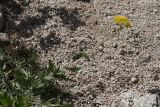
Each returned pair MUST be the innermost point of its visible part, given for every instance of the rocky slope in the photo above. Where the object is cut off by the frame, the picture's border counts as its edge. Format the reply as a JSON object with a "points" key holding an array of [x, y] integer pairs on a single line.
{"points": [[58, 29]]}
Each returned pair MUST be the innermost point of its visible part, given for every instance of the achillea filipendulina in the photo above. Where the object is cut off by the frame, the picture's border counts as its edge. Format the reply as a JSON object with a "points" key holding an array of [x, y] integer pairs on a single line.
{"points": [[122, 21]]}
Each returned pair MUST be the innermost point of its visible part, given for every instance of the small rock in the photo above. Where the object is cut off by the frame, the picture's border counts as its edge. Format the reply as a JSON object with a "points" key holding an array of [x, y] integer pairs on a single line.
{"points": [[147, 58], [28, 31], [115, 45], [134, 80], [137, 52], [132, 99], [124, 46], [82, 45], [156, 77], [30, 46], [123, 52], [80, 94], [100, 48], [113, 29], [131, 40], [109, 57], [158, 36], [155, 10], [108, 14], [4, 37], [135, 33], [17, 23], [131, 52]]}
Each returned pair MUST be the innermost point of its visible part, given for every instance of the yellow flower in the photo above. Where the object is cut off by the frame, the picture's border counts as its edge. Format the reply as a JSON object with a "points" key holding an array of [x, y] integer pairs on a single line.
{"points": [[122, 21]]}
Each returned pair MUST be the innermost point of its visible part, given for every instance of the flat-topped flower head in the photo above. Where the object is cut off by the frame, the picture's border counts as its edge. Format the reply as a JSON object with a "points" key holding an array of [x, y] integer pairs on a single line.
{"points": [[122, 21]]}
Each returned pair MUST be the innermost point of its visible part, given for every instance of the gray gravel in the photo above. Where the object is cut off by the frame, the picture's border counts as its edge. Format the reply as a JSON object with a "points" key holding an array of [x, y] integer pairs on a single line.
{"points": [[58, 29]]}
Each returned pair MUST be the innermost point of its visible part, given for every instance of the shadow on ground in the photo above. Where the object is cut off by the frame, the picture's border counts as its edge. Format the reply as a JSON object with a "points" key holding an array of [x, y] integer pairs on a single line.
{"points": [[87, 1], [51, 92], [26, 27], [49, 41], [69, 18], [12, 6]]}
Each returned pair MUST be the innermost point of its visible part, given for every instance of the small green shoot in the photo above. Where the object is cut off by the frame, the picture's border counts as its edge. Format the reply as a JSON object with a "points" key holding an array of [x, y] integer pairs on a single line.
{"points": [[80, 55]]}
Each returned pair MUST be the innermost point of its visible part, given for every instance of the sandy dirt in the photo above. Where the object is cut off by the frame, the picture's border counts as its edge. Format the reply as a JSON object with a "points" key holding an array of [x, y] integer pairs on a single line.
{"points": [[58, 29]]}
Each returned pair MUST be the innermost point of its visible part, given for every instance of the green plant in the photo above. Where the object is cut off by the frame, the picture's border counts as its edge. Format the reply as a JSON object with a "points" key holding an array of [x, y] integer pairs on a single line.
{"points": [[7, 100], [21, 78]]}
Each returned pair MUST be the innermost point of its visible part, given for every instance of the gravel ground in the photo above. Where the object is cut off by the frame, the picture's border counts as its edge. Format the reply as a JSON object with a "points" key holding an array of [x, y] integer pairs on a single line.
{"points": [[58, 29]]}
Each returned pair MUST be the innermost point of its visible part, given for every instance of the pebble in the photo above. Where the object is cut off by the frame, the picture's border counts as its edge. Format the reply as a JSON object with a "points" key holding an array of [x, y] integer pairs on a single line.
{"points": [[100, 48], [4, 37], [147, 58], [134, 80], [80, 94], [123, 52], [131, 40], [115, 45], [17, 23], [158, 36], [29, 46], [124, 45], [156, 77], [134, 99], [155, 10], [82, 45], [132, 51]]}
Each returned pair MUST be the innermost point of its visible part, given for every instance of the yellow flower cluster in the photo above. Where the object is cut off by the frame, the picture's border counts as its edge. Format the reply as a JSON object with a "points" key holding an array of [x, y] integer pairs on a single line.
{"points": [[122, 21]]}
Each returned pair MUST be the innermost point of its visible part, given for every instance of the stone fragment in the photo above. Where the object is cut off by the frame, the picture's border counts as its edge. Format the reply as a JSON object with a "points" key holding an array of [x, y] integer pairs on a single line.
{"points": [[4, 37], [133, 99]]}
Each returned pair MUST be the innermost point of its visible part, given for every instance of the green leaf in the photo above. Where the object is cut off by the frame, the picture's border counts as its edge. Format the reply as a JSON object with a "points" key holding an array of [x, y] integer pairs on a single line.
{"points": [[55, 71], [22, 101], [51, 66], [65, 104], [5, 100]]}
